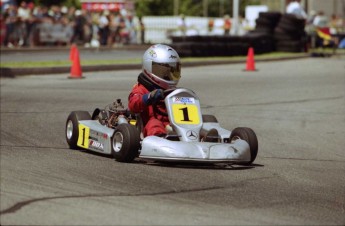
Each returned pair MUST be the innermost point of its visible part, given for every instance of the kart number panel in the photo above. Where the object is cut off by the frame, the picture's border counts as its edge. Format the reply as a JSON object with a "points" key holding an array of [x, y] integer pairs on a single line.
{"points": [[186, 114], [83, 138]]}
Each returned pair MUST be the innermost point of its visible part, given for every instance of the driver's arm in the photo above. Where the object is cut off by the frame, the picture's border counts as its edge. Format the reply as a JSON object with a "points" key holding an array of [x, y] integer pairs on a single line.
{"points": [[135, 99]]}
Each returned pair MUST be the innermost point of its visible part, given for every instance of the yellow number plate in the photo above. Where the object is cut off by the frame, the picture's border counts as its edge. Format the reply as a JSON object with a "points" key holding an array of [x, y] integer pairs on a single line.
{"points": [[185, 114], [83, 138]]}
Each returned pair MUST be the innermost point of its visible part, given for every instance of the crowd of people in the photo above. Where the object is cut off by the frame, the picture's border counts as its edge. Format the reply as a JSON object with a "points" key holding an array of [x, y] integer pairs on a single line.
{"points": [[35, 25], [30, 25], [317, 20]]}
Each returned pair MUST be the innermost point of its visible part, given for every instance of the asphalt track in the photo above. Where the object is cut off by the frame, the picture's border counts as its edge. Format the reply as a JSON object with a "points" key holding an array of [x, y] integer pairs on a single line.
{"points": [[296, 107]]}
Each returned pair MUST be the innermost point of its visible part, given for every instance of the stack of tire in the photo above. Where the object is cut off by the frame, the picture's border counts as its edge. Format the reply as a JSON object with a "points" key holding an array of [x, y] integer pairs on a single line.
{"points": [[215, 45], [202, 46], [183, 45], [261, 38], [289, 35], [273, 32], [267, 22]]}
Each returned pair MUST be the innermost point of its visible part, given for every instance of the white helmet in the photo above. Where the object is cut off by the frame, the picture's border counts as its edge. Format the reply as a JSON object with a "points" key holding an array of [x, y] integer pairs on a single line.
{"points": [[161, 65]]}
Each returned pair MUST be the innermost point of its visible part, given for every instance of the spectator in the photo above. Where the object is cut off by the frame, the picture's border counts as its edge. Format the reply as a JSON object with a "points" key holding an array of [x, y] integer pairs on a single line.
{"points": [[10, 17], [19, 32], [130, 27], [95, 30], [336, 24], [182, 25], [88, 31], [142, 30], [294, 7], [310, 29], [71, 13], [55, 13], [78, 30], [321, 21], [23, 27], [103, 26], [113, 29], [2, 29], [210, 25], [227, 25], [121, 34]]}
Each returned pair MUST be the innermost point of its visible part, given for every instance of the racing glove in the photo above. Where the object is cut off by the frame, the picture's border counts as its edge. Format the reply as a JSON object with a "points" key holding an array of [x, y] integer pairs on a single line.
{"points": [[153, 97]]}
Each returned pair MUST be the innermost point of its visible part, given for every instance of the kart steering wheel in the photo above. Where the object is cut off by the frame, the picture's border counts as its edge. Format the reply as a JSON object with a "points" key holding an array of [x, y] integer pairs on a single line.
{"points": [[156, 104]]}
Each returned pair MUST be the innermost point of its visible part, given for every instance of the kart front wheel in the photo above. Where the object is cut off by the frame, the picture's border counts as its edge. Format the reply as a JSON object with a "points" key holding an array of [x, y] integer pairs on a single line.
{"points": [[249, 136], [72, 130], [125, 143]]}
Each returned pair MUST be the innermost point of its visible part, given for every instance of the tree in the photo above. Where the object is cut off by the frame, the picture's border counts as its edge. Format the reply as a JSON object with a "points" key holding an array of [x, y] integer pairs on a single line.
{"points": [[166, 7], [154, 7], [68, 3], [216, 8], [190, 8]]}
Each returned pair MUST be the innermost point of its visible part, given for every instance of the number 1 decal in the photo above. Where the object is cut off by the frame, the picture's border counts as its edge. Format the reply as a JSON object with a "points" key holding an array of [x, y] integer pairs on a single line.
{"points": [[83, 138], [186, 114]]}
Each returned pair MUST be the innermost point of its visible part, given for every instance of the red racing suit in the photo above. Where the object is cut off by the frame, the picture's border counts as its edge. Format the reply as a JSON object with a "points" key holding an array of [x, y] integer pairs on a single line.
{"points": [[154, 123]]}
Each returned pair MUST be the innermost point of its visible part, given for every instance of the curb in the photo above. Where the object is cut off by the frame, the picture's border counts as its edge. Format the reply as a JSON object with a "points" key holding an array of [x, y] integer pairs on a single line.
{"points": [[13, 72]]}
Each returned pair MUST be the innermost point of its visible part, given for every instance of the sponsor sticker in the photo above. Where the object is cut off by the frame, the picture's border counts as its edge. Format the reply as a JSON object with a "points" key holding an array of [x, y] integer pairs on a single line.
{"points": [[153, 53], [97, 145], [192, 135], [184, 100]]}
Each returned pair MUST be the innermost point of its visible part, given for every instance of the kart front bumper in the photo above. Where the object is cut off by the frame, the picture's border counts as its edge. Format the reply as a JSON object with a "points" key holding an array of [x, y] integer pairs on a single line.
{"points": [[156, 148]]}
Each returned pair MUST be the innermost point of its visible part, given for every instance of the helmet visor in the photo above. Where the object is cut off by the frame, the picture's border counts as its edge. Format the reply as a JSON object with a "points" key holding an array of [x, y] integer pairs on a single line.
{"points": [[167, 71]]}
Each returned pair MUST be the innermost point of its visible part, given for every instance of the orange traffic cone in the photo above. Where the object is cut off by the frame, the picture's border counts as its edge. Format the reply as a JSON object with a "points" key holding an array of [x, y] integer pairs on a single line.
{"points": [[250, 60], [76, 68]]}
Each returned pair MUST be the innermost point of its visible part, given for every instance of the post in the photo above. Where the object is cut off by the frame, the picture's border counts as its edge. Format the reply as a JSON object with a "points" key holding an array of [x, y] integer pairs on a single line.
{"points": [[205, 8], [235, 11], [176, 7], [282, 6]]}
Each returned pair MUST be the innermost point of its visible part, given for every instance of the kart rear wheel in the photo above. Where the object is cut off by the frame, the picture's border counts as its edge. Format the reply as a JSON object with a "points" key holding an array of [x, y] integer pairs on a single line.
{"points": [[72, 130], [125, 143], [249, 136]]}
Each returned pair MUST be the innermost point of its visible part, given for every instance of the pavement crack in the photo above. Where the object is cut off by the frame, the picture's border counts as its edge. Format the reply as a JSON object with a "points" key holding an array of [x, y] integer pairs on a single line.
{"points": [[31, 146], [304, 159], [285, 102], [22, 204]]}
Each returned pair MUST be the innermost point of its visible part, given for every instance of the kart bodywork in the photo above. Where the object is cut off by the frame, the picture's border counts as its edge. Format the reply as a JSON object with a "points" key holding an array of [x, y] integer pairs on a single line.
{"points": [[116, 131]]}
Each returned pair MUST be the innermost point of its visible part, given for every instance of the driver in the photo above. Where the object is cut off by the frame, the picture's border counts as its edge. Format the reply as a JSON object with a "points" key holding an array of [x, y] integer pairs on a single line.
{"points": [[161, 70]]}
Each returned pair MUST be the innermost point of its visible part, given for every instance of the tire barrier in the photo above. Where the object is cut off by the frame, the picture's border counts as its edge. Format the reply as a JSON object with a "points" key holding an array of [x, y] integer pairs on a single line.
{"points": [[267, 22], [289, 35], [203, 46], [273, 32]]}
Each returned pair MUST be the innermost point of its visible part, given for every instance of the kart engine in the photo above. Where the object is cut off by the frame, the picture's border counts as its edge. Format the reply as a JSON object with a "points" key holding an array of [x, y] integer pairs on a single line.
{"points": [[114, 114]]}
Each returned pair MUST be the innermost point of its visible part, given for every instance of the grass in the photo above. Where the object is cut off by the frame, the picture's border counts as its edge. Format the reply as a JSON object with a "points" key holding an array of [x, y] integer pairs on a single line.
{"points": [[272, 55], [65, 63]]}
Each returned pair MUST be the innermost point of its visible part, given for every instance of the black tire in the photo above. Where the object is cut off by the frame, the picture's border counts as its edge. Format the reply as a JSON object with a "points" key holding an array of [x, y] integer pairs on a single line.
{"points": [[290, 28], [281, 34], [125, 143], [275, 16], [293, 20], [72, 130], [249, 136], [265, 22], [209, 118]]}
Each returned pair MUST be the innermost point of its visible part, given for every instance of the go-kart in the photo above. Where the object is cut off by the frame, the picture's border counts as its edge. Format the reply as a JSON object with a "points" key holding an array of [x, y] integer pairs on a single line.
{"points": [[114, 130]]}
